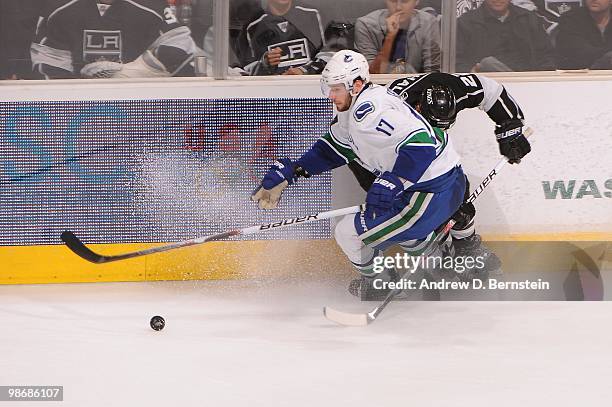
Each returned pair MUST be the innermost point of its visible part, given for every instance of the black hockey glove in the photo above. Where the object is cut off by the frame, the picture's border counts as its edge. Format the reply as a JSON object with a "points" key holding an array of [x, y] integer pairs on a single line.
{"points": [[512, 143]]}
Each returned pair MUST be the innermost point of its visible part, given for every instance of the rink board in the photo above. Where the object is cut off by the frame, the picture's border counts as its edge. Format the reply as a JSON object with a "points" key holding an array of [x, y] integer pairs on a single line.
{"points": [[248, 259], [56, 143], [210, 261], [151, 170]]}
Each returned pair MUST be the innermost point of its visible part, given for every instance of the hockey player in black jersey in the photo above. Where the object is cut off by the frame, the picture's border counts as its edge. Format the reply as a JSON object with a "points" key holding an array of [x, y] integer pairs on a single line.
{"points": [[439, 97], [285, 39], [466, 91], [111, 38]]}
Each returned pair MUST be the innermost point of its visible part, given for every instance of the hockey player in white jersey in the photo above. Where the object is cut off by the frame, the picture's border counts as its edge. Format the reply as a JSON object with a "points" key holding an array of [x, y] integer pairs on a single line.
{"points": [[419, 183]]}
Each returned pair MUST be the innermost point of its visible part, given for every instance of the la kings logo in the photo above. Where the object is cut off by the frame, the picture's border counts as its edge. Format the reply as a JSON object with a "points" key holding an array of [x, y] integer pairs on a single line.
{"points": [[102, 45], [283, 26], [103, 8], [295, 52], [558, 7]]}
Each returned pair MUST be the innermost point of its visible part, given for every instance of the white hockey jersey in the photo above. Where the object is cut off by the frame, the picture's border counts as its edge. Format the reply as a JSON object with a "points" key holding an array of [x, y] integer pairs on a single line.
{"points": [[380, 127]]}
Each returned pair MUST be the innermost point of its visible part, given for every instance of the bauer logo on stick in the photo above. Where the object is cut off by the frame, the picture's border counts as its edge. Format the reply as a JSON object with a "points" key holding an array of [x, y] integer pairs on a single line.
{"points": [[288, 222]]}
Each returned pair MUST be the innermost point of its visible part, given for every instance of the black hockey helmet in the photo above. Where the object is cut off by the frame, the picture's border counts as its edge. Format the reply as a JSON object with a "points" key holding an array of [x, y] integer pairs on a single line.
{"points": [[438, 106]]}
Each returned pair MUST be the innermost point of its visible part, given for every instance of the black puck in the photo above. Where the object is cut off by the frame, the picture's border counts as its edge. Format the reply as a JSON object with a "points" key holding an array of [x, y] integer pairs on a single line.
{"points": [[157, 323]]}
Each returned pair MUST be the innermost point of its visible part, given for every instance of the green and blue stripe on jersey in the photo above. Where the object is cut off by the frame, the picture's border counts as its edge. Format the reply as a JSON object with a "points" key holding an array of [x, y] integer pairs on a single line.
{"points": [[414, 215]]}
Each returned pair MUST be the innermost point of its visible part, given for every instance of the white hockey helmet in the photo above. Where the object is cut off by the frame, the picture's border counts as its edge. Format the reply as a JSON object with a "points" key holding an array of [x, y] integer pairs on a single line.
{"points": [[344, 68]]}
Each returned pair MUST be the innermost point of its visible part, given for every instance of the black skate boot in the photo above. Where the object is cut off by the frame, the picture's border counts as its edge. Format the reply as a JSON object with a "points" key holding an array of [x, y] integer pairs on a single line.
{"points": [[487, 262], [363, 287]]}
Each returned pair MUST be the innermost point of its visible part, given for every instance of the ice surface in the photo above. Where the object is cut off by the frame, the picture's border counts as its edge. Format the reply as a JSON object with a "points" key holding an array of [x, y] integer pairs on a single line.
{"points": [[243, 343]]}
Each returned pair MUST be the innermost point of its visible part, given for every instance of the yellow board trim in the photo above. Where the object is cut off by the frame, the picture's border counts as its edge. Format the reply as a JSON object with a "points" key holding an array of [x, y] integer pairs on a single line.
{"points": [[57, 264], [211, 261]]}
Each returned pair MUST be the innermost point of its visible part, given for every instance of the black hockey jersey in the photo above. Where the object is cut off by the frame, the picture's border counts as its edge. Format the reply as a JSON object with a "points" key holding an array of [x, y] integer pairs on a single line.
{"points": [[470, 91], [79, 32], [299, 33]]}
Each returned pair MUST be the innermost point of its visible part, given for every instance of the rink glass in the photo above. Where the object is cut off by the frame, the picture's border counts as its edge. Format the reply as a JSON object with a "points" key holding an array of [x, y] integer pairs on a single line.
{"points": [[218, 28]]}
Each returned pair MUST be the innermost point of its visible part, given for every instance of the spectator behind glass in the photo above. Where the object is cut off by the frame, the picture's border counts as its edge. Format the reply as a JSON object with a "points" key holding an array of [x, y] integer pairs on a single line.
{"points": [[241, 13], [399, 39], [286, 39], [499, 36], [17, 29], [585, 37], [112, 38], [339, 20]]}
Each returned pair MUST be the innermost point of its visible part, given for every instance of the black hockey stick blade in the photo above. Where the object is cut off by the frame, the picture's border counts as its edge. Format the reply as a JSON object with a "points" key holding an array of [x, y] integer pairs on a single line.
{"points": [[80, 249]]}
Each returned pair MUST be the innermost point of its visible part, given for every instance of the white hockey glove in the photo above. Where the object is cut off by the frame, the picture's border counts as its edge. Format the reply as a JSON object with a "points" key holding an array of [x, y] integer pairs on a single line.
{"points": [[268, 198], [279, 176], [101, 69], [145, 66]]}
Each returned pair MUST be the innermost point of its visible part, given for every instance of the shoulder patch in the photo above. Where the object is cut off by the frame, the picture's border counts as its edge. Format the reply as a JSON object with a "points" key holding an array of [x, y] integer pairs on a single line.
{"points": [[363, 110]]}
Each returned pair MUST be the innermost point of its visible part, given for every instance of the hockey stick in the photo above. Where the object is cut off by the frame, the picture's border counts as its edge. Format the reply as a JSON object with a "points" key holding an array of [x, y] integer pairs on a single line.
{"points": [[79, 248], [361, 319]]}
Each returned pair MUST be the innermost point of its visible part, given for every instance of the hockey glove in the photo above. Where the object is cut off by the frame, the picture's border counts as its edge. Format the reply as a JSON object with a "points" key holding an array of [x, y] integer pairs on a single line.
{"points": [[383, 192], [145, 66], [512, 143], [101, 69], [281, 174]]}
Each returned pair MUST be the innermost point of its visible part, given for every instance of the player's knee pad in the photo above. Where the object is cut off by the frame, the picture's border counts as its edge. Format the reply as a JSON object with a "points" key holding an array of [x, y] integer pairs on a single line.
{"points": [[347, 238]]}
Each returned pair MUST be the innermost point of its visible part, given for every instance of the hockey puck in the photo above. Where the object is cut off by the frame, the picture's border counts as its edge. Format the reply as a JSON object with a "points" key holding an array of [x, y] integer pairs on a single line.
{"points": [[157, 323]]}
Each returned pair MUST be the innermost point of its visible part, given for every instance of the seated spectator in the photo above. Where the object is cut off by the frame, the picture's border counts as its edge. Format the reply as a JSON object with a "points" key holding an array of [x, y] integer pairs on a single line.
{"points": [[585, 37], [339, 35], [201, 20], [17, 29], [339, 20], [112, 38], [399, 39], [241, 12], [286, 39], [499, 36]]}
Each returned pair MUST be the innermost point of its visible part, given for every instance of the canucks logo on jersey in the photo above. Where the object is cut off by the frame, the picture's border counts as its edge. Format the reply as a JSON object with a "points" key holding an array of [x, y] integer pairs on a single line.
{"points": [[363, 110]]}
